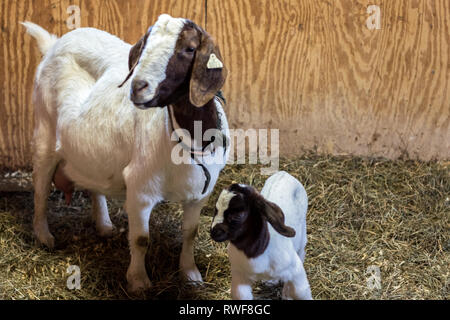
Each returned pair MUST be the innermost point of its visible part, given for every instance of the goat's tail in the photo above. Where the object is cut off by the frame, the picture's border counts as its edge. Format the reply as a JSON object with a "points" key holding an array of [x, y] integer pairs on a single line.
{"points": [[44, 39]]}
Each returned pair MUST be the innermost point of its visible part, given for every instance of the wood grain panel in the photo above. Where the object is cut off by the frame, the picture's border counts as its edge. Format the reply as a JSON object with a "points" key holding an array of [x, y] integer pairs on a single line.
{"points": [[310, 68], [315, 71], [19, 55]]}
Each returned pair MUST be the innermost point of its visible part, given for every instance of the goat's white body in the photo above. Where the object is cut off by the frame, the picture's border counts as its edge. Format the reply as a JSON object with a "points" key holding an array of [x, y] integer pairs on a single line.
{"points": [[77, 93], [99, 131], [108, 145], [283, 258]]}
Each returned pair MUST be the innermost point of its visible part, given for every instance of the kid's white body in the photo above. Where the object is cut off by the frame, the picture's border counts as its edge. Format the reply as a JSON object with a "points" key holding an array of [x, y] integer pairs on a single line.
{"points": [[283, 258]]}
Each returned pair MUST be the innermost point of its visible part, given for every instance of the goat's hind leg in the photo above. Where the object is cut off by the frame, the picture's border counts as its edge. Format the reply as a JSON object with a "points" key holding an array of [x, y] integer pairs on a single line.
{"points": [[45, 162], [100, 215]]}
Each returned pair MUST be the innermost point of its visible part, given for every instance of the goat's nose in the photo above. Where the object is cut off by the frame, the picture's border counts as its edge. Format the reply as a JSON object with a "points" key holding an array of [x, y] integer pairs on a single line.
{"points": [[218, 234], [139, 85]]}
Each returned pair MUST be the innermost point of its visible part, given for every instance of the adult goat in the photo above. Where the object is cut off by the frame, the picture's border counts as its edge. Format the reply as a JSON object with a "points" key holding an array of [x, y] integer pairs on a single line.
{"points": [[89, 131]]}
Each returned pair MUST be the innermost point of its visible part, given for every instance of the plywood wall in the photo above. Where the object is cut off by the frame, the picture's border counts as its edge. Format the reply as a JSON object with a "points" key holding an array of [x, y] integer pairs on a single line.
{"points": [[311, 68], [316, 71]]}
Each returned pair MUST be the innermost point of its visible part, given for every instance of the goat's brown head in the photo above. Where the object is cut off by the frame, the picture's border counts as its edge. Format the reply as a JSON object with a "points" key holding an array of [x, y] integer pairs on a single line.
{"points": [[240, 216], [173, 59]]}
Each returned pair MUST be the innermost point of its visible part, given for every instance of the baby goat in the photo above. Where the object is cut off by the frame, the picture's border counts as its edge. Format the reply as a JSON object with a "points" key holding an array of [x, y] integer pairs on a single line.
{"points": [[90, 133], [263, 246]]}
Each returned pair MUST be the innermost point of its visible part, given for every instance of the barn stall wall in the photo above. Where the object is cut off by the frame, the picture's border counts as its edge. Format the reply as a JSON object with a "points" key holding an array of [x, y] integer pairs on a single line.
{"points": [[312, 69]]}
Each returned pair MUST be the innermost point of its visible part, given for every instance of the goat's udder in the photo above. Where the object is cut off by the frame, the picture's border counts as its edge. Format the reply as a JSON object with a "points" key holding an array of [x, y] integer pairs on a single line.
{"points": [[63, 183]]}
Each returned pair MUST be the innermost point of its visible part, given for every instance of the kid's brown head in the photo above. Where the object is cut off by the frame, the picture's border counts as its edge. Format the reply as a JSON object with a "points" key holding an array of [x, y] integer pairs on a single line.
{"points": [[241, 216]]}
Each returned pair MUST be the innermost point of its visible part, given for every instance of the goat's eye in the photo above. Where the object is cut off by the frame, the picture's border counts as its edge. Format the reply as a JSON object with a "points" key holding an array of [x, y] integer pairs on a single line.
{"points": [[237, 217], [190, 49]]}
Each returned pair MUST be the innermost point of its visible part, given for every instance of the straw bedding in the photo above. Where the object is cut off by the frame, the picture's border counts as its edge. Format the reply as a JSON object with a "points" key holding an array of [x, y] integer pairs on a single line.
{"points": [[394, 215]]}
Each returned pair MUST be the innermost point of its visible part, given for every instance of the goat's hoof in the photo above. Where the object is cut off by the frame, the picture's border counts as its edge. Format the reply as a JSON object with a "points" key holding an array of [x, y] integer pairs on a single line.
{"points": [[46, 239], [138, 288], [192, 276], [105, 231], [138, 285], [291, 293]]}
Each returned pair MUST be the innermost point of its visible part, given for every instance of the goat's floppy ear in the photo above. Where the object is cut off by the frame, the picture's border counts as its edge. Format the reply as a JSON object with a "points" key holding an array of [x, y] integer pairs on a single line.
{"points": [[208, 72], [273, 214], [135, 54]]}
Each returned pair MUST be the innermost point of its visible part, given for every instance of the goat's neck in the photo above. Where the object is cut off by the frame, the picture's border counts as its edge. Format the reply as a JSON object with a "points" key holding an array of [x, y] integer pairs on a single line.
{"points": [[186, 114]]}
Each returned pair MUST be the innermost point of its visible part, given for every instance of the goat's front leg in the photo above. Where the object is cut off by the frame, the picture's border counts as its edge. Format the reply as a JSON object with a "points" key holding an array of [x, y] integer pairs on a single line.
{"points": [[241, 286], [298, 287], [190, 227], [138, 208]]}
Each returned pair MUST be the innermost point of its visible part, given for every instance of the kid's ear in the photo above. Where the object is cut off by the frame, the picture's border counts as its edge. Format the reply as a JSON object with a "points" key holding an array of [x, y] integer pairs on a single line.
{"points": [[273, 214], [275, 217]]}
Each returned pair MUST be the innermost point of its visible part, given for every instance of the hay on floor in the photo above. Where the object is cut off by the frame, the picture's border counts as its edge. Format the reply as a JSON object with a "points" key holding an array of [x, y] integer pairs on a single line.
{"points": [[364, 213]]}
